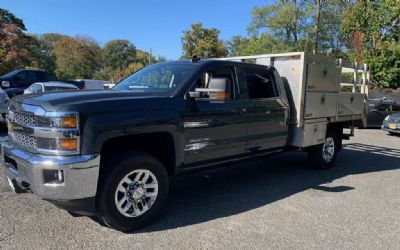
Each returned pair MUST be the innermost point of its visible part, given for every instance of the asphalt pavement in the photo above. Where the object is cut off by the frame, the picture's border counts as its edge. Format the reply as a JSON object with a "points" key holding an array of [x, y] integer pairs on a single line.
{"points": [[274, 203]]}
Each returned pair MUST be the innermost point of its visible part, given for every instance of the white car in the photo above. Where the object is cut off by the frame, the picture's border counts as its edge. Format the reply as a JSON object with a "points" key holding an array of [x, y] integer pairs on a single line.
{"points": [[40, 87], [94, 84]]}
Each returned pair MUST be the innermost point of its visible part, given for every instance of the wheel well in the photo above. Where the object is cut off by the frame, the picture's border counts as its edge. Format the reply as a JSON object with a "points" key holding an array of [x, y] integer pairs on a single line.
{"points": [[337, 128], [160, 145]]}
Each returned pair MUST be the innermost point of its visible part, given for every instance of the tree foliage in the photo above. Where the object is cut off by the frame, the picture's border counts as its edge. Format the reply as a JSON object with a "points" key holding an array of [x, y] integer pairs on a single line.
{"points": [[16, 48], [373, 28], [118, 54], [202, 42], [366, 31], [7, 17], [326, 35], [76, 58], [286, 20]]}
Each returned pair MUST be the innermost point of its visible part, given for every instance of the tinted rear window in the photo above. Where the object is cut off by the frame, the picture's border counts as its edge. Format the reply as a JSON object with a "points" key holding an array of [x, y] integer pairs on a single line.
{"points": [[260, 83]]}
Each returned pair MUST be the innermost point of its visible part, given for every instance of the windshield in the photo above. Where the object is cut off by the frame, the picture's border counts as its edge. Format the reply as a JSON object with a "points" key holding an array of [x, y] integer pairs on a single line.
{"points": [[158, 78], [12, 73]]}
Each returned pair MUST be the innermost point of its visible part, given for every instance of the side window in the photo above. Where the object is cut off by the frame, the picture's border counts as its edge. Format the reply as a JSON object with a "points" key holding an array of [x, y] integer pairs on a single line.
{"points": [[36, 88], [395, 108], [40, 76], [21, 76], [383, 107], [260, 83], [218, 72], [30, 75]]}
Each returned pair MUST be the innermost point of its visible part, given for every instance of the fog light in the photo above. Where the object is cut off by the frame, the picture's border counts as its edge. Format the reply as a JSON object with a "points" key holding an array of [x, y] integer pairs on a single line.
{"points": [[51, 176], [68, 144]]}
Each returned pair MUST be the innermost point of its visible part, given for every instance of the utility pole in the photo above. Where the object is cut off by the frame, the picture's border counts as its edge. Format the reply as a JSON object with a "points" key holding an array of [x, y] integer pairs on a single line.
{"points": [[150, 56], [316, 27]]}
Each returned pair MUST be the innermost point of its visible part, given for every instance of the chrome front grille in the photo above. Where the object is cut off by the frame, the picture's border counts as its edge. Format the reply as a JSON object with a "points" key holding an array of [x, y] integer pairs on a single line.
{"points": [[24, 119], [36, 131], [26, 141]]}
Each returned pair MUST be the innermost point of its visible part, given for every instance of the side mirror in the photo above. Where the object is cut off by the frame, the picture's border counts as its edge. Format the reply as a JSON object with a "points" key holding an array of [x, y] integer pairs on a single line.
{"points": [[5, 84], [219, 90]]}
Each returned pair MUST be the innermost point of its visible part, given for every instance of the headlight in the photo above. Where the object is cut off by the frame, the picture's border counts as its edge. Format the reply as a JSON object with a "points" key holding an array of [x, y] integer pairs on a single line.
{"points": [[52, 121], [387, 118], [54, 133]]}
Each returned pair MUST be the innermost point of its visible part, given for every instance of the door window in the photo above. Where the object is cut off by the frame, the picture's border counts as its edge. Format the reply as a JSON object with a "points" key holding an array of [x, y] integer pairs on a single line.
{"points": [[260, 83], [21, 76], [30, 75], [218, 72], [383, 107], [396, 108], [36, 88], [40, 76]]}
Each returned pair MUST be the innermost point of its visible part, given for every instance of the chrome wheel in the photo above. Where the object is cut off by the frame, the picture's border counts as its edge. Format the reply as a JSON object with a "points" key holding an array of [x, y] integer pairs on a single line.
{"points": [[328, 149], [136, 193]]}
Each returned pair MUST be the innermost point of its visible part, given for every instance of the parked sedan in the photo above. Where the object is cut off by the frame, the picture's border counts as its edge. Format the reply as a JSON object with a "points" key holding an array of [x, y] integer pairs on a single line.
{"points": [[378, 111], [392, 123], [40, 87]]}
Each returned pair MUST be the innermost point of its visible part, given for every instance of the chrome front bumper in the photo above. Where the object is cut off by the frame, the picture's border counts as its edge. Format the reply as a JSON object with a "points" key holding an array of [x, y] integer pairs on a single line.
{"points": [[80, 173]]}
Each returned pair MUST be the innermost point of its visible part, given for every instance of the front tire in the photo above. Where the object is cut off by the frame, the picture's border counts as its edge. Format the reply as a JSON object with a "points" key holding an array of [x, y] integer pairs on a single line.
{"points": [[323, 156], [133, 192]]}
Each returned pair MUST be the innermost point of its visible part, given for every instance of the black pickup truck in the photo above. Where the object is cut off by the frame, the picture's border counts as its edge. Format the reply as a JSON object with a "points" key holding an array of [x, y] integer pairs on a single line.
{"points": [[15, 82], [111, 152]]}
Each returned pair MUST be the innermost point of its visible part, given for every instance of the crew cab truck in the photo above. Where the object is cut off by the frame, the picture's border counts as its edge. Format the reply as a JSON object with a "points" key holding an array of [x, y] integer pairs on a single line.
{"points": [[110, 153], [15, 82]]}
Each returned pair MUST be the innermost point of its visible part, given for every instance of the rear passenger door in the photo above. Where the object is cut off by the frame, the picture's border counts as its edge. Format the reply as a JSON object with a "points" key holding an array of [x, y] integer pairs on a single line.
{"points": [[266, 114]]}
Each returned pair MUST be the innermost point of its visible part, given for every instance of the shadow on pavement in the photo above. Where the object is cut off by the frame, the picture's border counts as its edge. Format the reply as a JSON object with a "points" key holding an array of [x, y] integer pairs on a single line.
{"points": [[228, 191]]}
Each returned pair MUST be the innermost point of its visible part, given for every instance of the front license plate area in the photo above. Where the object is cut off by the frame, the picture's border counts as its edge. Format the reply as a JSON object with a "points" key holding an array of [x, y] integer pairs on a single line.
{"points": [[392, 126]]}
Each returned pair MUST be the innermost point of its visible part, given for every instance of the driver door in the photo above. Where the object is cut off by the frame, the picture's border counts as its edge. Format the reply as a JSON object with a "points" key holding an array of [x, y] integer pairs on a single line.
{"points": [[214, 131]]}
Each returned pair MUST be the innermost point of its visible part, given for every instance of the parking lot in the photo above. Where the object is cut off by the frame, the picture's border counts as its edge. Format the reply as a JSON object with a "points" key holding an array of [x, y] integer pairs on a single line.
{"points": [[274, 203]]}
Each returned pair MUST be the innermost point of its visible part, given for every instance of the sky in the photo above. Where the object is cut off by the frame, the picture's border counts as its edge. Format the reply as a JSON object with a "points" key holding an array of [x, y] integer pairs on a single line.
{"points": [[149, 24]]}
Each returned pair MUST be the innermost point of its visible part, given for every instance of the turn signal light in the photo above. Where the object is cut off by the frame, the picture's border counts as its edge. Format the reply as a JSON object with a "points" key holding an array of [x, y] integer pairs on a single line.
{"points": [[221, 96], [69, 122], [68, 144]]}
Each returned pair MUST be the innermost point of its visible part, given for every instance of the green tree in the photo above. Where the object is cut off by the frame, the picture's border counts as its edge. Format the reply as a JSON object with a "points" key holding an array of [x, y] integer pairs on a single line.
{"points": [[262, 44], [202, 42], [286, 20], [118, 54], [373, 29], [76, 58], [145, 57], [326, 35]]}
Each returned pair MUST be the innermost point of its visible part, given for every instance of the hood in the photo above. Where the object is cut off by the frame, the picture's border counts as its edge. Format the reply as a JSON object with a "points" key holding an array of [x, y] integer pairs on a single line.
{"points": [[53, 101], [394, 116]]}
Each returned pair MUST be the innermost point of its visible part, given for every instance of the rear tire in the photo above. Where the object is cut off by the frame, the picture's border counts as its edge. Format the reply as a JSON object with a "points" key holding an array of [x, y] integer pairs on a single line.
{"points": [[133, 192], [323, 156]]}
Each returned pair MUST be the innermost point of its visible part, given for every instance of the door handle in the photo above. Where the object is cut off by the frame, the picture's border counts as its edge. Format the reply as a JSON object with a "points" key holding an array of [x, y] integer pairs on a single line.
{"points": [[244, 110]]}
